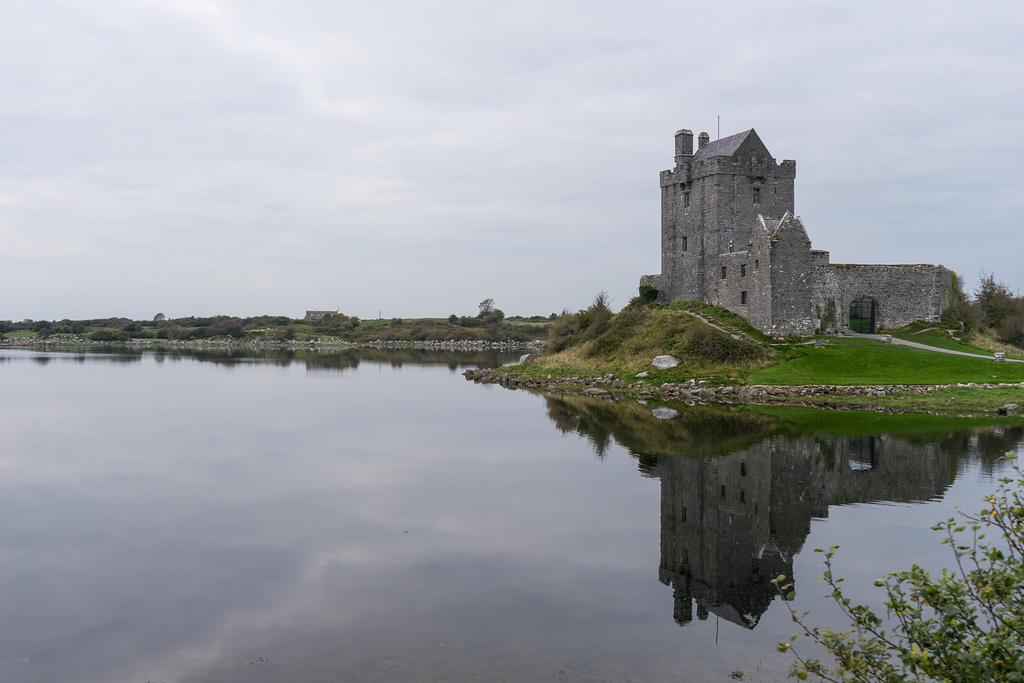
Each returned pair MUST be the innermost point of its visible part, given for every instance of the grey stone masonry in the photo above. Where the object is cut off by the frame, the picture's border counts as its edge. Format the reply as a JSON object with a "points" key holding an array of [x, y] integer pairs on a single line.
{"points": [[729, 237]]}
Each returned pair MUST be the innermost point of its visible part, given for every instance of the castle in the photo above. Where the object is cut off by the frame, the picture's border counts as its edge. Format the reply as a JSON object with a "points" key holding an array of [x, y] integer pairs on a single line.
{"points": [[729, 237]]}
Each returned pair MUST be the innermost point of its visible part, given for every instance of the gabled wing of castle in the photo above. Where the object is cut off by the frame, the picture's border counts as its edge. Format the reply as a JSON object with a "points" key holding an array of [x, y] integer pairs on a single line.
{"points": [[730, 237]]}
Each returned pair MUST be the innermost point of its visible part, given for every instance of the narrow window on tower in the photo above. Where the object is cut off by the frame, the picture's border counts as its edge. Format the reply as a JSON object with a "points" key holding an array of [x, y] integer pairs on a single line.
{"points": [[757, 263], [684, 243], [743, 298], [723, 272], [757, 195], [686, 200], [743, 270]]}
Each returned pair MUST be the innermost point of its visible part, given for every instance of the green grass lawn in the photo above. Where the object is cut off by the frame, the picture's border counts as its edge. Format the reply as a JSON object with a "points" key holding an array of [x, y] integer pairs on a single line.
{"points": [[861, 361], [22, 334], [941, 339]]}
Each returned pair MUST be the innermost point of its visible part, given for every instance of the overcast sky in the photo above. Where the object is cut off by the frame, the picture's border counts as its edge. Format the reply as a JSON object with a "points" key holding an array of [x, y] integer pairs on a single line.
{"points": [[248, 156]]}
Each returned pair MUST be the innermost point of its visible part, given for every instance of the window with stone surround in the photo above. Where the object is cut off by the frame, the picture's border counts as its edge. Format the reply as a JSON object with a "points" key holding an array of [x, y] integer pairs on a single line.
{"points": [[743, 270], [743, 298], [686, 200], [757, 195], [723, 272], [685, 241]]}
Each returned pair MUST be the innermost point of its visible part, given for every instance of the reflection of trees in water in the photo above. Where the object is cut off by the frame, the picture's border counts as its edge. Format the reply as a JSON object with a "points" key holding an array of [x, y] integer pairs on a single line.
{"points": [[313, 360], [80, 357], [738, 497], [699, 430], [348, 359]]}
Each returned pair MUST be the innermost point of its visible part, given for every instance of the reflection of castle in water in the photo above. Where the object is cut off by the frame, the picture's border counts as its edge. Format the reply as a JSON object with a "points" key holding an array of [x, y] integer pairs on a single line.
{"points": [[730, 523]]}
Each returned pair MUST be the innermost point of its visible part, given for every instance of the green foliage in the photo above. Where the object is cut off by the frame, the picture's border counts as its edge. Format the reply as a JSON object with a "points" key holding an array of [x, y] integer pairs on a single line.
{"points": [[228, 327], [717, 347], [283, 328], [1011, 329], [961, 625], [495, 316], [571, 329], [159, 317], [828, 318], [995, 301], [335, 324], [282, 334], [42, 328], [563, 332], [961, 316], [647, 294], [108, 335]]}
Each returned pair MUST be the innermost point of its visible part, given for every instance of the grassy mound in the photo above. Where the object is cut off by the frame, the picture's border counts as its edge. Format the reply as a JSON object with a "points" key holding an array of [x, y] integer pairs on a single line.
{"points": [[595, 340]]}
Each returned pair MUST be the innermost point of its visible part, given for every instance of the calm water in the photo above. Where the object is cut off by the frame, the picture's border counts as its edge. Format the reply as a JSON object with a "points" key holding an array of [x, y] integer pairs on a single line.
{"points": [[373, 516]]}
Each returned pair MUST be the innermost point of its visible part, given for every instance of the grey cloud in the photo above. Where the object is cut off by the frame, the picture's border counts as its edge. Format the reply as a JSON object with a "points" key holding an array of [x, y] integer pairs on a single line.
{"points": [[247, 157]]}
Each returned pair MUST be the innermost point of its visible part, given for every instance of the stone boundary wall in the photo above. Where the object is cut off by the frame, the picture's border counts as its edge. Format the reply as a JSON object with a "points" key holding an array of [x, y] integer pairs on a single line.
{"points": [[695, 392]]}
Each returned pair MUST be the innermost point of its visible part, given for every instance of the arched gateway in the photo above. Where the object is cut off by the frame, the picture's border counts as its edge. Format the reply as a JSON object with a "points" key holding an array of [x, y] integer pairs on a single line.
{"points": [[863, 315]]}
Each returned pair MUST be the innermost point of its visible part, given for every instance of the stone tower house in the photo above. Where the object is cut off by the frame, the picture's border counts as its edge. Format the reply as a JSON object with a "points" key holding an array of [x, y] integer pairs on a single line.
{"points": [[729, 237]]}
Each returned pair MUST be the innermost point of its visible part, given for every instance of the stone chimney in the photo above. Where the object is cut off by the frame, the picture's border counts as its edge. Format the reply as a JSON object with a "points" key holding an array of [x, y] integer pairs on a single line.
{"points": [[703, 139], [684, 144]]}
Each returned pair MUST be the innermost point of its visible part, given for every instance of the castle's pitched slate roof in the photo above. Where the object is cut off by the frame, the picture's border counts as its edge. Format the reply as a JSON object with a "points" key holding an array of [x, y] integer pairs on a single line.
{"points": [[723, 147]]}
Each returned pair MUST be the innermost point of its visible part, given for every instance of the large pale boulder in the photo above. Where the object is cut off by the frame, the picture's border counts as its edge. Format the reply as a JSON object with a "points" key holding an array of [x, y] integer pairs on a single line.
{"points": [[665, 362], [664, 412]]}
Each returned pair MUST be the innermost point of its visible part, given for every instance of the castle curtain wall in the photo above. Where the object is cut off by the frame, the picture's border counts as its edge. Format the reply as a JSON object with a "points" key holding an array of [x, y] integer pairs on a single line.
{"points": [[904, 293]]}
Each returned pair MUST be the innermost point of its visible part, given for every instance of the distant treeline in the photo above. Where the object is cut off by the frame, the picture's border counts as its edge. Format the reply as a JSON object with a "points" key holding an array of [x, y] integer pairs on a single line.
{"points": [[489, 324]]}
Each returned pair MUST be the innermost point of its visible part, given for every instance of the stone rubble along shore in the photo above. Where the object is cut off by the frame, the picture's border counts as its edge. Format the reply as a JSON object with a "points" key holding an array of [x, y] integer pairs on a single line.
{"points": [[699, 391], [316, 343]]}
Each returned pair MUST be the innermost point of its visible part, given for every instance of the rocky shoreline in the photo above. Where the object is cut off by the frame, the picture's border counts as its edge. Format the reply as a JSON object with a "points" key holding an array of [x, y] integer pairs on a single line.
{"points": [[315, 344], [693, 392]]}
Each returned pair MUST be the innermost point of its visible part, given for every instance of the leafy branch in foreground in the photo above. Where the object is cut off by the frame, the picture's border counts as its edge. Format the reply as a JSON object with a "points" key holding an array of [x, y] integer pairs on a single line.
{"points": [[965, 624]]}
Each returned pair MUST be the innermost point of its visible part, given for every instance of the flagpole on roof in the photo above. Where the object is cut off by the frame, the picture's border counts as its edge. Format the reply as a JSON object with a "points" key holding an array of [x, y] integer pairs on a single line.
{"points": [[719, 127]]}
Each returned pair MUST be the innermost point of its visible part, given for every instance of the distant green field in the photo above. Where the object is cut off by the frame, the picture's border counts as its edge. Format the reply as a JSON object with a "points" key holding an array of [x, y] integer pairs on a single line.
{"points": [[864, 361]]}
